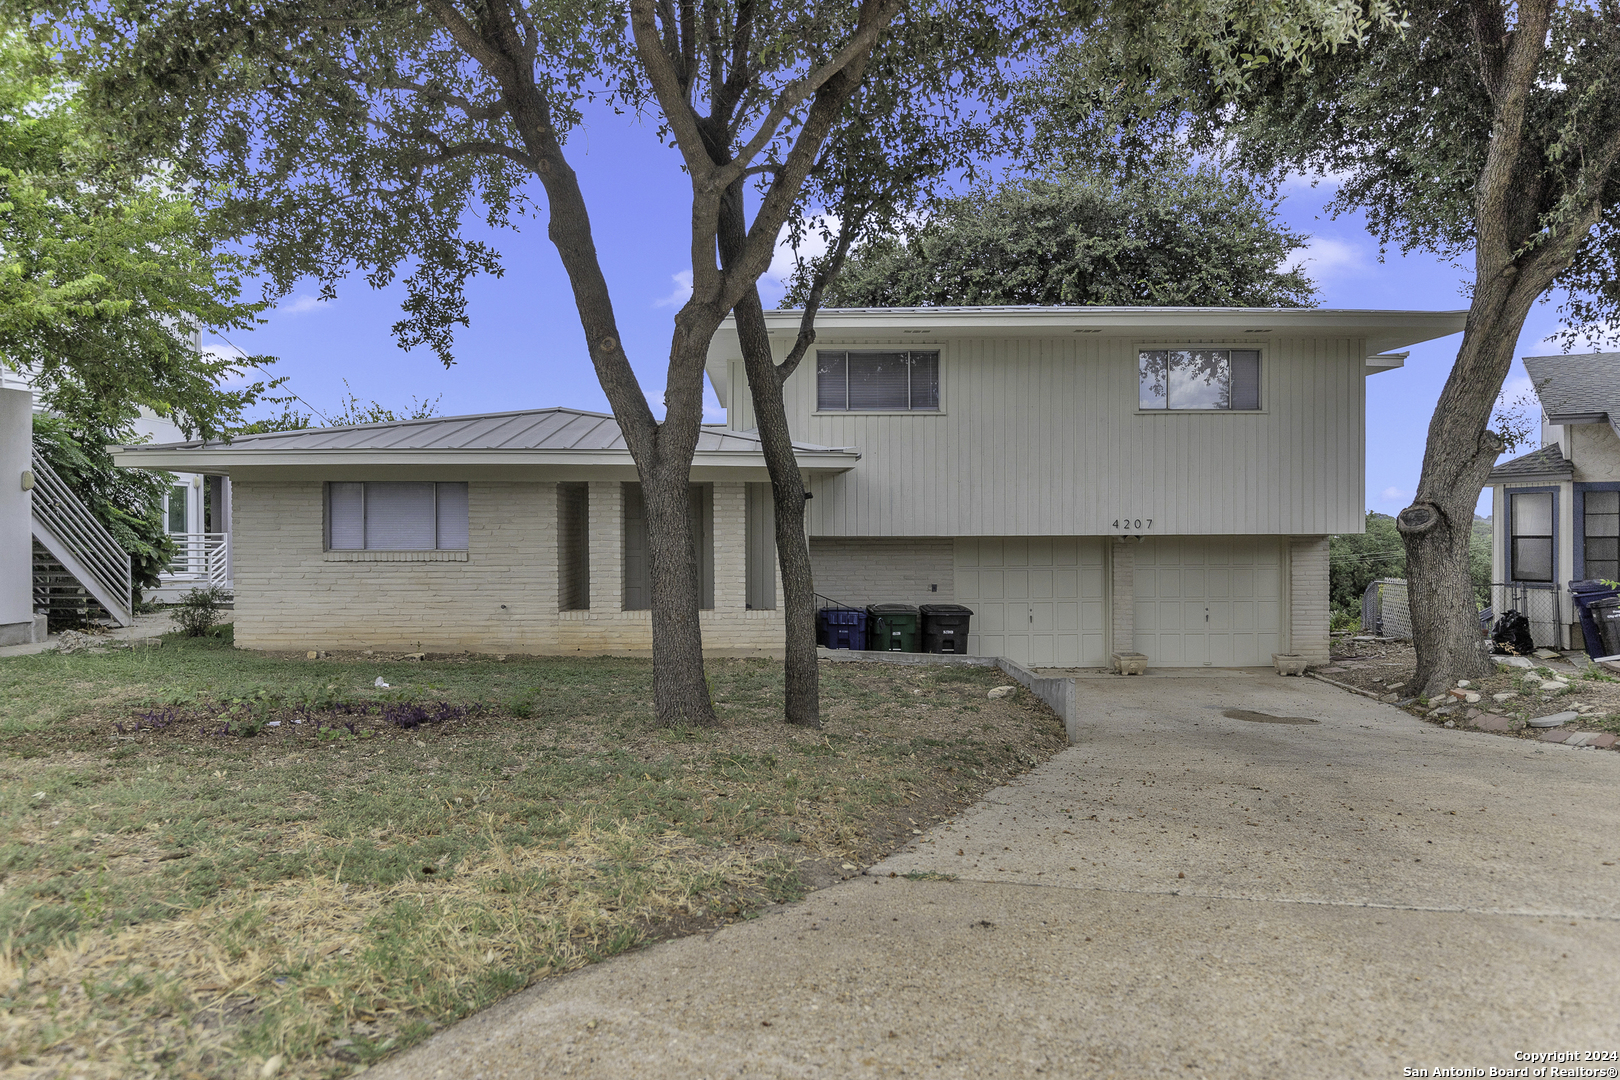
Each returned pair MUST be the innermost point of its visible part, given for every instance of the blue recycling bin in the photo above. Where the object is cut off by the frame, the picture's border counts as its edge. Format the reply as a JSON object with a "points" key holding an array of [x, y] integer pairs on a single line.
{"points": [[1585, 593], [841, 628]]}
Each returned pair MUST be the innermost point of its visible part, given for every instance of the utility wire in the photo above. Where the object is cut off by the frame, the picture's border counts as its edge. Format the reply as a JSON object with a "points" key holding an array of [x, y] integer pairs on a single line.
{"points": [[290, 394]]}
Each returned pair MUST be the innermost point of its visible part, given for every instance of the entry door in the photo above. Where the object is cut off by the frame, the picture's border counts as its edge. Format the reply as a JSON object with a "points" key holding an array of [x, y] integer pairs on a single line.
{"points": [[1037, 601], [1209, 602]]}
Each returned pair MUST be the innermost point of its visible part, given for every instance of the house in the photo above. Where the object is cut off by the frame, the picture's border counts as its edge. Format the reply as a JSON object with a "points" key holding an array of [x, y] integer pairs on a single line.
{"points": [[1086, 480], [1556, 510]]}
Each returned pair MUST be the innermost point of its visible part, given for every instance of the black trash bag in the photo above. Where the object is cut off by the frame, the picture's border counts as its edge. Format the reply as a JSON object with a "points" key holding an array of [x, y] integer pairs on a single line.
{"points": [[1511, 635]]}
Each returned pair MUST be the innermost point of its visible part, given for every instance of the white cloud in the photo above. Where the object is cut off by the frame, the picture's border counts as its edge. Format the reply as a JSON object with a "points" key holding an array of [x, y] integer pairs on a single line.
{"points": [[1394, 495], [680, 294], [1326, 257], [301, 304]]}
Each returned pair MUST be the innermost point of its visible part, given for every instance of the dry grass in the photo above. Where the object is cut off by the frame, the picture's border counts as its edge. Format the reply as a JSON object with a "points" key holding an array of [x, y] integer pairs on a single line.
{"points": [[179, 903]]}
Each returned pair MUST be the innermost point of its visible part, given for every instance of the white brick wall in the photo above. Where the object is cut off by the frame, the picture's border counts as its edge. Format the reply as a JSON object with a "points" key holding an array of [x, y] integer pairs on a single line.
{"points": [[1122, 582], [501, 598], [1308, 597], [884, 570]]}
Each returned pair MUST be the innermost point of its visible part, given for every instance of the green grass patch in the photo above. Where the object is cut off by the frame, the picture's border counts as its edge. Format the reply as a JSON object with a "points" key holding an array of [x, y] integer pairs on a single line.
{"points": [[210, 857]]}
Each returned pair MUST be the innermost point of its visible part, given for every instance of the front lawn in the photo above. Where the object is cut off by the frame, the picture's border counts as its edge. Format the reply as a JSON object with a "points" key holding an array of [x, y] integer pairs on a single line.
{"points": [[212, 858]]}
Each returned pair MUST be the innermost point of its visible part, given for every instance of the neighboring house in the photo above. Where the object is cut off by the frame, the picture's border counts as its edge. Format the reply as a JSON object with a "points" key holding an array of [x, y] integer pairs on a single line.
{"points": [[1087, 480], [1556, 511]]}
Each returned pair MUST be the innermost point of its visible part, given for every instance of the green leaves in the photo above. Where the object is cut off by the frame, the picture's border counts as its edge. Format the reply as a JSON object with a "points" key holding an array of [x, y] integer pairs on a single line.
{"points": [[1184, 238], [107, 269]]}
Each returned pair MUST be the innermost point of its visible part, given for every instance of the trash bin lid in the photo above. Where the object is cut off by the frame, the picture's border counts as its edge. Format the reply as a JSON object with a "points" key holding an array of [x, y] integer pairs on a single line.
{"points": [[891, 609], [1590, 585], [945, 609], [1604, 604]]}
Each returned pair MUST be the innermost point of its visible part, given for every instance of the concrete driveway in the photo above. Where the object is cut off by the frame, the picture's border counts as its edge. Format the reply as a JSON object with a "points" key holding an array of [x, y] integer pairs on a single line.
{"points": [[1182, 893]]}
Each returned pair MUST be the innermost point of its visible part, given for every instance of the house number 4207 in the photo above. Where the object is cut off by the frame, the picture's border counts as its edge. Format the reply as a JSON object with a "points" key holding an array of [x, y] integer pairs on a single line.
{"points": [[1133, 523]]}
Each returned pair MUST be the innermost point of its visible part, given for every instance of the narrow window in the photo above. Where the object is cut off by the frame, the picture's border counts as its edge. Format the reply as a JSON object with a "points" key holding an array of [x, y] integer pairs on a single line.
{"points": [[1602, 539], [573, 547], [1531, 539], [177, 510], [877, 380]]}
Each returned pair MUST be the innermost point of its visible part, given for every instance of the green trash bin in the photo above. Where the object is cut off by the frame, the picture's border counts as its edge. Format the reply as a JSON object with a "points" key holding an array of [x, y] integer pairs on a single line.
{"points": [[893, 628]]}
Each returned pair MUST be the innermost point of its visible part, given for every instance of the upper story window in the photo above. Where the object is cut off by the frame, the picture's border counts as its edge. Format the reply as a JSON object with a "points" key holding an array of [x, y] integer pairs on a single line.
{"points": [[871, 380], [396, 516], [1530, 536], [1602, 539], [1198, 379]]}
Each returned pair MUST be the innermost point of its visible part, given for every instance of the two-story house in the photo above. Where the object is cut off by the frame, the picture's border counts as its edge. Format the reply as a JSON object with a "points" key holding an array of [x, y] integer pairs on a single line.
{"points": [[1556, 510], [1086, 480]]}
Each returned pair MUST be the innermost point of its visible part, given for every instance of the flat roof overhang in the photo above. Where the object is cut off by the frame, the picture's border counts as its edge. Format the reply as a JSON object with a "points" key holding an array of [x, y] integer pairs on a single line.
{"points": [[1383, 331]]}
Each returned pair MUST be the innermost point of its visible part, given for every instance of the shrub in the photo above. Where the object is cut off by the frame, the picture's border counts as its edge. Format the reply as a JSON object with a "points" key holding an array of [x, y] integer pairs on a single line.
{"points": [[199, 609]]}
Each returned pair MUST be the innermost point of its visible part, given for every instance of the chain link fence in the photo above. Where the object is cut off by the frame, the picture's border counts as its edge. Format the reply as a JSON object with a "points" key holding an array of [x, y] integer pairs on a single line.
{"points": [[1386, 609]]}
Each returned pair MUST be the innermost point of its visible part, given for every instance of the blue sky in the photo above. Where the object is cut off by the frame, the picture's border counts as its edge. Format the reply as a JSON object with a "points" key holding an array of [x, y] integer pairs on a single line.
{"points": [[525, 348]]}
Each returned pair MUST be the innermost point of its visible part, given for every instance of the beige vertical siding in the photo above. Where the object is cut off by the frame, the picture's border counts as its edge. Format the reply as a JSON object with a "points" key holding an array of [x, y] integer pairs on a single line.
{"points": [[1042, 436]]}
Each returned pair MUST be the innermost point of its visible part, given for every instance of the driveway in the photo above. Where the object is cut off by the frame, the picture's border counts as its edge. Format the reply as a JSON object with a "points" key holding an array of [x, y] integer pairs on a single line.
{"points": [[1181, 893]]}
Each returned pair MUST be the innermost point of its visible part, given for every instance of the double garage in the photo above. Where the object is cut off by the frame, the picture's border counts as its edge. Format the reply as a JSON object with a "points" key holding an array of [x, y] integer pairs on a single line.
{"points": [[1196, 601]]}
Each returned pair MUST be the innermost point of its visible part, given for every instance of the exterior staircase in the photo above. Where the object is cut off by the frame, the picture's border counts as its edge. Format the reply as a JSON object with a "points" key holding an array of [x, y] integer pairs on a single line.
{"points": [[80, 571]]}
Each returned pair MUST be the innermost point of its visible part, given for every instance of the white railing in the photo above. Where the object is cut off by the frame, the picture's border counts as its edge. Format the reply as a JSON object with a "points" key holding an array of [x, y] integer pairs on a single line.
{"points": [[203, 558], [79, 541]]}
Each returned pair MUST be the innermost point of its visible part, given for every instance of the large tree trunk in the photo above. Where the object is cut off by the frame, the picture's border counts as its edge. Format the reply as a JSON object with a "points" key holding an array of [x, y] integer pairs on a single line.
{"points": [[680, 688], [800, 670], [1457, 458]]}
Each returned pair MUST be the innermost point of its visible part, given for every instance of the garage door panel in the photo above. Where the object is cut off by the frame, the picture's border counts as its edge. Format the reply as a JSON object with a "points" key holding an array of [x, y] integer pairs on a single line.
{"points": [[1214, 602], [1037, 601]]}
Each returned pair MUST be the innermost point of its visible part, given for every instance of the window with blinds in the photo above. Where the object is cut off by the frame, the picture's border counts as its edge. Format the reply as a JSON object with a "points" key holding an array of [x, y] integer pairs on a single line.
{"points": [[396, 516], [1196, 379], [1601, 535], [876, 380], [1530, 536]]}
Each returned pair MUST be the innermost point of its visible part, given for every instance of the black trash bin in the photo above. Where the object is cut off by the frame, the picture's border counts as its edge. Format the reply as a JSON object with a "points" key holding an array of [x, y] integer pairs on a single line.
{"points": [[945, 628], [841, 628], [1585, 594], [1606, 614], [892, 628]]}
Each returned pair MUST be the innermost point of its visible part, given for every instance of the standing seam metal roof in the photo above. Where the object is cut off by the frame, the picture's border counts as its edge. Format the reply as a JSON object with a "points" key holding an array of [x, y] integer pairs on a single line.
{"points": [[532, 429]]}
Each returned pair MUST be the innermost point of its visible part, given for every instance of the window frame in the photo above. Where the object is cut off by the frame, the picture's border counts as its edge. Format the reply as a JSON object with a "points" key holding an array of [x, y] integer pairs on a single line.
{"points": [[1580, 494], [938, 348], [326, 518], [1510, 572], [1263, 382]]}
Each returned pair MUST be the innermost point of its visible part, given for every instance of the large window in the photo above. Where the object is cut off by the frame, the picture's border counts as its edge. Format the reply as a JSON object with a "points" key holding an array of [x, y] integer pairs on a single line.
{"points": [[179, 520], [1198, 379], [871, 380], [1602, 535], [1530, 541], [396, 516]]}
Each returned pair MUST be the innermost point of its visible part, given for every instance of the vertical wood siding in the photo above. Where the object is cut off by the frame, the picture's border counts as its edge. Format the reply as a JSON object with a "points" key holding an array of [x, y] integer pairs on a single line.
{"points": [[1041, 436]]}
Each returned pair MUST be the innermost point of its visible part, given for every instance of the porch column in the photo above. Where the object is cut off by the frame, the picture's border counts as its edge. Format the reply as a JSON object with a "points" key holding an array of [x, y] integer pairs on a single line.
{"points": [[606, 530], [16, 518], [730, 546], [1123, 590], [1308, 598]]}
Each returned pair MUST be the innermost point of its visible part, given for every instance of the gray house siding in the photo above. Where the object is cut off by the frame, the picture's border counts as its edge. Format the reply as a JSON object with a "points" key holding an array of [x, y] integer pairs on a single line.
{"points": [[1042, 437]]}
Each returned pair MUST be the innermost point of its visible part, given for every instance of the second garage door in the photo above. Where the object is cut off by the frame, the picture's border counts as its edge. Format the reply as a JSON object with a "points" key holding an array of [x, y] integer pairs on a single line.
{"points": [[1037, 601], [1209, 602]]}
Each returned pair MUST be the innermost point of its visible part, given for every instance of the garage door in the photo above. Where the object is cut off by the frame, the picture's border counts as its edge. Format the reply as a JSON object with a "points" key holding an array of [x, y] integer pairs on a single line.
{"points": [[1209, 602], [1036, 601]]}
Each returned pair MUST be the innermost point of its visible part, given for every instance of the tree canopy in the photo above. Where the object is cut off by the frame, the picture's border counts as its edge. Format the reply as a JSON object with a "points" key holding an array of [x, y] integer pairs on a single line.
{"points": [[1196, 237], [107, 269]]}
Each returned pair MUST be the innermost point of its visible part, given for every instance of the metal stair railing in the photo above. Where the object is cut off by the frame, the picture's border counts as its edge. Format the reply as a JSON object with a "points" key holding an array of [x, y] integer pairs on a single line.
{"points": [[80, 542]]}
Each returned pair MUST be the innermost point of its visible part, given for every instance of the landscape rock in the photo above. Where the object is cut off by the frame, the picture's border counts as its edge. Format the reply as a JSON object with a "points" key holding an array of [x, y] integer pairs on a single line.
{"points": [[1547, 654], [1506, 696], [1002, 691], [1554, 719], [1493, 722], [1552, 686], [1464, 683], [1513, 662], [1471, 698]]}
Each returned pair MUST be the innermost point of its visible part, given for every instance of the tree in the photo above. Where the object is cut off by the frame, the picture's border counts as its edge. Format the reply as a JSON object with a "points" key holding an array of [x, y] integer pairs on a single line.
{"points": [[354, 412], [107, 272], [1487, 131], [349, 134], [1356, 560], [1200, 237]]}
